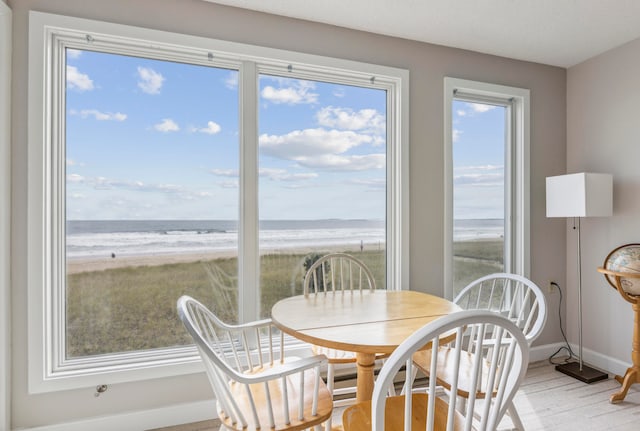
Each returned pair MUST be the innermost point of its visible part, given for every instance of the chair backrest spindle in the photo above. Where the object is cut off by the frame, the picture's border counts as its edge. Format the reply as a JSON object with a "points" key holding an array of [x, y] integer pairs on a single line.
{"points": [[520, 300], [339, 272]]}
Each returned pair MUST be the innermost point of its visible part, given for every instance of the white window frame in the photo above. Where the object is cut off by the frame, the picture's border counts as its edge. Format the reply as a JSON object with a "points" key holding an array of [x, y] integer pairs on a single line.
{"points": [[517, 213], [49, 34]]}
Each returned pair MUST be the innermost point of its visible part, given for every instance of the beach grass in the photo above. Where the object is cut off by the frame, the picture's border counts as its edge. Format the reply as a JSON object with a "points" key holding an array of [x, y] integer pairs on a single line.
{"points": [[473, 259], [133, 308]]}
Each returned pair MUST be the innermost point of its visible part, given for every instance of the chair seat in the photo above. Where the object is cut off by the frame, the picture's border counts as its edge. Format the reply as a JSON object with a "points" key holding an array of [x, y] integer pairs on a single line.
{"points": [[335, 356], [325, 403], [358, 416], [445, 369]]}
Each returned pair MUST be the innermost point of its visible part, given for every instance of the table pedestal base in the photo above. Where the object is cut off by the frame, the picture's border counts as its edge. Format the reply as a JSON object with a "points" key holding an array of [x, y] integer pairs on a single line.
{"points": [[365, 363]]}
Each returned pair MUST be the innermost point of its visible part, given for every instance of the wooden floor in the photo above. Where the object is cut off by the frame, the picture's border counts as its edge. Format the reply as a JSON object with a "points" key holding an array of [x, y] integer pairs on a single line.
{"points": [[547, 400]]}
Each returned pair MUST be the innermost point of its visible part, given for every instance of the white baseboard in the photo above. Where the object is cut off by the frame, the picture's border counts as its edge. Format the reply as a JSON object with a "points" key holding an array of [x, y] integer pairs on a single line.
{"points": [[595, 359], [541, 353], [603, 362], [141, 420], [204, 410]]}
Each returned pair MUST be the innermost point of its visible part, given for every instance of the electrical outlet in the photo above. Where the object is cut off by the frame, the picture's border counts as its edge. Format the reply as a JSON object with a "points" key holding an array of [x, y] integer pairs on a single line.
{"points": [[551, 286]]}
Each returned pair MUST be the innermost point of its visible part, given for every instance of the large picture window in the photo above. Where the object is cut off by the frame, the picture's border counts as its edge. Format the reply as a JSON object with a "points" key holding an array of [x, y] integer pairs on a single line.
{"points": [[322, 179], [145, 217], [194, 167]]}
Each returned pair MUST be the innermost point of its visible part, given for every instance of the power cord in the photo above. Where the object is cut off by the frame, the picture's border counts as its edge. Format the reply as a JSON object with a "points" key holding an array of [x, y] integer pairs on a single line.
{"points": [[566, 347]]}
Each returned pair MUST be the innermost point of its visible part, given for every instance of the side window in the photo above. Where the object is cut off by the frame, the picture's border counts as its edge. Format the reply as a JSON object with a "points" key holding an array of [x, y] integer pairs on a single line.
{"points": [[487, 181], [479, 152]]}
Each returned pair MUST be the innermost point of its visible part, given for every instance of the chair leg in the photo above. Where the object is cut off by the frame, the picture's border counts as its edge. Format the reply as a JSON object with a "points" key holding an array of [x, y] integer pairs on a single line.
{"points": [[515, 417], [330, 378], [330, 385], [327, 425]]}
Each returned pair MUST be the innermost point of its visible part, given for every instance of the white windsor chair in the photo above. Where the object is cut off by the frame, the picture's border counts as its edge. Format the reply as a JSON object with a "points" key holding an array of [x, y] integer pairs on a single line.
{"points": [[427, 411], [512, 296], [255, 387], [333, 274]]}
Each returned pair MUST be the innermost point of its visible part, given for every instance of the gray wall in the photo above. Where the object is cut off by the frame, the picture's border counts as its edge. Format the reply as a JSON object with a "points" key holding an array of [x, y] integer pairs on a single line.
{"points": [[602, 136], [5, 213], [428, 65]]}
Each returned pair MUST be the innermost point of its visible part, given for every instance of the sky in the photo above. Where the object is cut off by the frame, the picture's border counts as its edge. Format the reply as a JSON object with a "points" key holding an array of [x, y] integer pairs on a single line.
{"points": [[478, 160], [151, 139]]}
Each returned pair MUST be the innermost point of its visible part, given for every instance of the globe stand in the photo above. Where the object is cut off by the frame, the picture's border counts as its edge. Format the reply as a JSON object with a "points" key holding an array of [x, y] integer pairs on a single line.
{"points": [[632, 374]]}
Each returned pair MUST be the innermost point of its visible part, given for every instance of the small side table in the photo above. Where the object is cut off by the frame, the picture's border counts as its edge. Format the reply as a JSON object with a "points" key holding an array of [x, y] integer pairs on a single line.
{"points": [[633, 374]]}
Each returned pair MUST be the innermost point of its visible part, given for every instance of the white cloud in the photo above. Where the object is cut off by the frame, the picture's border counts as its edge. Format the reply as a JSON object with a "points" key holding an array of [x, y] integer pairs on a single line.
{"points": [[480, 168], [282, 175], [173, 190], [456, 135], [75, 178], [297, 92], [371, 184], [271, 173], [229, 184], [100, 116], [78, 81], [375, 183], [231, 82], [73, 53], [71, 162], [479, 176], [225, 172], [334, 162], [480, 107], [311, 142], [150, 81], [368, 120], [320, 148], [461, 112], [211, 129], [166, 125], [486, 179]]}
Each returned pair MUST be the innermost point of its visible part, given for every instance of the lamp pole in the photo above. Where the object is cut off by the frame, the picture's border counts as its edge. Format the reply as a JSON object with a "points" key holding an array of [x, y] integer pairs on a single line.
{"points": [[579, 296], [578, 370]]}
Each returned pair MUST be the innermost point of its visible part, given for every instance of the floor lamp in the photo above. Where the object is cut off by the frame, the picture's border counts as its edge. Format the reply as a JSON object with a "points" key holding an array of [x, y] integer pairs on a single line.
{"points": [[580, 195]]}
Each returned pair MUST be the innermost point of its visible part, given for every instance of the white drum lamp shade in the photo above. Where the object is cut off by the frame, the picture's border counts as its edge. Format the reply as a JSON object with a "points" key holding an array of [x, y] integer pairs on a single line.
{"points": [[580, 195]]}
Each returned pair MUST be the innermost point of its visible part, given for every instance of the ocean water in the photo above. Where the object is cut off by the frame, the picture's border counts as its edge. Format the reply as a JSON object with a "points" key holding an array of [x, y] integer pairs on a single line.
{"points": [[101, 238]]}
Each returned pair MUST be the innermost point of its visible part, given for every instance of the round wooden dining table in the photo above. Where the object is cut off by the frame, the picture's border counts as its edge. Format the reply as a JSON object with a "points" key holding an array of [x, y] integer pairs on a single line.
{"points": [[364, 322]]}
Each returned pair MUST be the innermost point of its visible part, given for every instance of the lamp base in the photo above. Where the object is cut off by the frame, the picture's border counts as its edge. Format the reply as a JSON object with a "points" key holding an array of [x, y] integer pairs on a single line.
{"points": [[586, 375]]}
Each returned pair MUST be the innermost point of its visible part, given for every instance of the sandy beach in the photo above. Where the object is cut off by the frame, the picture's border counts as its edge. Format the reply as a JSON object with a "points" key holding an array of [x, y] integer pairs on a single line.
{"points": [[89, 264], [78, 265], [75, 266]]}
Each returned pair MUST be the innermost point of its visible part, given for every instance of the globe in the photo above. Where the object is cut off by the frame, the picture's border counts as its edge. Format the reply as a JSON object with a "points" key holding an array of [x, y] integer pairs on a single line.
{"points": [[625, 258]]}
